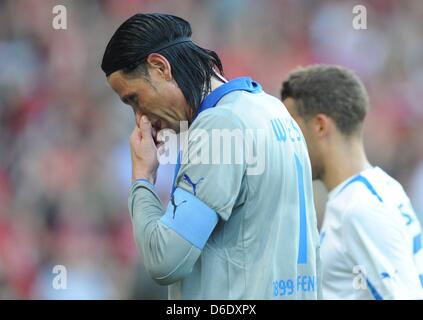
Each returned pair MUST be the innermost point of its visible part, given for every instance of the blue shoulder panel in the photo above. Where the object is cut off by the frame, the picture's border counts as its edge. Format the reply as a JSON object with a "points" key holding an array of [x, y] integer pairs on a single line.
{"points": [[362, 179]]}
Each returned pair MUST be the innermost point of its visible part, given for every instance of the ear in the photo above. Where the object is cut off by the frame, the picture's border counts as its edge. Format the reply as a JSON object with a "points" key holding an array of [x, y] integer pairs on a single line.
{"points": [[161, 65], [322, 125]]}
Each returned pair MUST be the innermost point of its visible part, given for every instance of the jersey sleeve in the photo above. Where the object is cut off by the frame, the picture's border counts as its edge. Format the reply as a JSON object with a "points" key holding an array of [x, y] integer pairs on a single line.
{"points": [[172, 239], [379, 248], [168, 257], [212, 166]]}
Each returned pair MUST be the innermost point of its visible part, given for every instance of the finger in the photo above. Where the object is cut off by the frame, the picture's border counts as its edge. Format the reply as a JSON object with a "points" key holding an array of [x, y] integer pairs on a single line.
{"points": [[135, 135], [145, 128], [138, 116]]}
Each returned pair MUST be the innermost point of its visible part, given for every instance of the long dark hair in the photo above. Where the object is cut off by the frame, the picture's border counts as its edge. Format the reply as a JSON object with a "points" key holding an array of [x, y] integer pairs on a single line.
{"points": [[142, 34]]}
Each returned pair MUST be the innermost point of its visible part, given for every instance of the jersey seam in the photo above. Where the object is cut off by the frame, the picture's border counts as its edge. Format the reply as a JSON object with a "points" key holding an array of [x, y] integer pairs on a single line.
{"points": [[179, 265]]}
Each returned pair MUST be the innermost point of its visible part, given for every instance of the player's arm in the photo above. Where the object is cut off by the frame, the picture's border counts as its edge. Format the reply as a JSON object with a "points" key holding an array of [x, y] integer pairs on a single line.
{"points": [[171, 240], [377, 245], [168, 257]]}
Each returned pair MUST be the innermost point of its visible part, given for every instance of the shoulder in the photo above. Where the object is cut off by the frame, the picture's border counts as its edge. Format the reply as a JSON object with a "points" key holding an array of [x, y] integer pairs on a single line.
{"points": [[362, 191], [389, 182], [353, 197], [370, 219], [245, 100], [218, 118]]}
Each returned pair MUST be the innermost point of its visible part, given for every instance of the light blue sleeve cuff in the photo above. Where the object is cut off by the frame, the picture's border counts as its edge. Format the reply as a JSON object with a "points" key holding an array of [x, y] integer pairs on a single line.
{"points": [[189, 217], [144, 182]]}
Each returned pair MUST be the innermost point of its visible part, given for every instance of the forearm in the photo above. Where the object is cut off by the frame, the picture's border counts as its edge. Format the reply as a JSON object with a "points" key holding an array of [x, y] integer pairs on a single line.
{"points": [[167, 256]]}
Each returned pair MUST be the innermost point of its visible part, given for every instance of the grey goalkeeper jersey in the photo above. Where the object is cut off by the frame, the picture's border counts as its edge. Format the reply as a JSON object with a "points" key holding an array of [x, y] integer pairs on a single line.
{"points": [[265, 243]]}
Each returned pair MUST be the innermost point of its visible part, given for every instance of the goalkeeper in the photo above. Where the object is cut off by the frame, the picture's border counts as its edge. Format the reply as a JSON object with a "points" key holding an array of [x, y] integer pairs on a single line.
{"points": [[231, 230]]}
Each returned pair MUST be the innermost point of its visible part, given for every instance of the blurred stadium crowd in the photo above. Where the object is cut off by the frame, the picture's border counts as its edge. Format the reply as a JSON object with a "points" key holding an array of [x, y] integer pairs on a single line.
{"points": [[64, 154]]}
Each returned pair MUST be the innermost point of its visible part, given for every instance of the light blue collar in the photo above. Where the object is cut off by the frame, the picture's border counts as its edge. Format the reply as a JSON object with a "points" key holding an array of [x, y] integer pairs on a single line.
{"points": [[237, 84], [210, 101]]}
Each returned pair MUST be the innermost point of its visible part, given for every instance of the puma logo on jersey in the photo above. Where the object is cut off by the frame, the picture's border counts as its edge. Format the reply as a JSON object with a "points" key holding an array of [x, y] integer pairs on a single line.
{"points": [[188, 180], [175, 206]]}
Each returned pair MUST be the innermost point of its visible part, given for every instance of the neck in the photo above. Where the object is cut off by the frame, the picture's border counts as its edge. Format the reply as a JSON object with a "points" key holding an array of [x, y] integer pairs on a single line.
{"points": [[214, 84], [342, 161]]}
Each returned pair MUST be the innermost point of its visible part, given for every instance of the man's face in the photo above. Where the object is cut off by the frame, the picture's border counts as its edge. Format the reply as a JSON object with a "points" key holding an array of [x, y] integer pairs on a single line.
{"points": [[158, 98], [313, 145]]}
